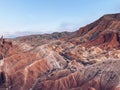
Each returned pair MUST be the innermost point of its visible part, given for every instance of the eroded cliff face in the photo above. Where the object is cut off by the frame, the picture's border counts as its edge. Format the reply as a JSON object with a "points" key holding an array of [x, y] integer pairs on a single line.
{"points": [[24, 66], [58, 65], [87, 59], [100, 76]]}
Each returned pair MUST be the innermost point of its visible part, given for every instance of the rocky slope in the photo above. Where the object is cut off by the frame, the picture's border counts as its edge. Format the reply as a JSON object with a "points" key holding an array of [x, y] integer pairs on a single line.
{"points": [[104, 33], [87, 59]]}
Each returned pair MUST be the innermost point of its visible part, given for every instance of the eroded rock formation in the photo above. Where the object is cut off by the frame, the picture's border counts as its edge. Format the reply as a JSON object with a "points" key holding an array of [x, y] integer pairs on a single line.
{"points": [[87, 59]]}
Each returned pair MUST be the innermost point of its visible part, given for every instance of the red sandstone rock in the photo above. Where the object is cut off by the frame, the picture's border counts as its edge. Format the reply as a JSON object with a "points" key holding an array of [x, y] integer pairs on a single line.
{"points": [[103, 33]]}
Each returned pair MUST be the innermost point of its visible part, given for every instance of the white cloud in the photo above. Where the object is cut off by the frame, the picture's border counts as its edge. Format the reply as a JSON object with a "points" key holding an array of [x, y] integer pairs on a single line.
{"points": [[17, 34], [68, 27]]}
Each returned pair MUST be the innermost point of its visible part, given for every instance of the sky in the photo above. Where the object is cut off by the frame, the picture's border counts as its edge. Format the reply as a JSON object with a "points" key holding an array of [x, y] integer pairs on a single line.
{"points": [[23, 17]]}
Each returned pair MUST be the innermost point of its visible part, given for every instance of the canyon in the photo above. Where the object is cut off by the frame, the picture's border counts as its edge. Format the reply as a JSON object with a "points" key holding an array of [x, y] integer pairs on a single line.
{"points": [[87, 59]]}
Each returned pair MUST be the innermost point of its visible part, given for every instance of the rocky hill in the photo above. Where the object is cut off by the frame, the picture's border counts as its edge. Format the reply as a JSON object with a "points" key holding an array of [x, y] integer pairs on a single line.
{"points": [[87, 59], [37, 40], [104, 33]]}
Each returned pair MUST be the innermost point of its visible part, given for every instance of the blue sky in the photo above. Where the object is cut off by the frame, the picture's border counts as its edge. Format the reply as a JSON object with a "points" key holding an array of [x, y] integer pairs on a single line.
{"points": [[20, 17]]}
